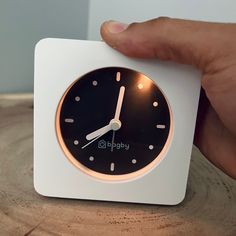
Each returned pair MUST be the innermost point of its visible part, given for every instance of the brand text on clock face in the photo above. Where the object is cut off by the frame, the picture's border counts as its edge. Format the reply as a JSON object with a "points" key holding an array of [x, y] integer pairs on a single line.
{"points": [[102, 144]]}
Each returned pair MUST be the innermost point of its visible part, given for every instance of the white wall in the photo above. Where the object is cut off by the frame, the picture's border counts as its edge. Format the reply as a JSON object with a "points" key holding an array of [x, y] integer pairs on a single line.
{"points": [[23, 23], [139, 10]]}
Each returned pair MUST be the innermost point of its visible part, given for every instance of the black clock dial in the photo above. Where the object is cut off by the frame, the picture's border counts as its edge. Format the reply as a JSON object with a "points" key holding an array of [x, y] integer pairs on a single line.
{"points": [[91, 137]]}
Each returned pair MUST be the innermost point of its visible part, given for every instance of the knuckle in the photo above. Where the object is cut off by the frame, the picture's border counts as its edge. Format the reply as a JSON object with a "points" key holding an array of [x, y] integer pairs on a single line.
{"points": [[163, 19], [162, 22], [133, 25]]}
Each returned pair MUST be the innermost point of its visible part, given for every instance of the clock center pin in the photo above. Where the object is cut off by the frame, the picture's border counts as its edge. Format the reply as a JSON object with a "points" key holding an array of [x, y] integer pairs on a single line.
{"points": [[115, 124]]}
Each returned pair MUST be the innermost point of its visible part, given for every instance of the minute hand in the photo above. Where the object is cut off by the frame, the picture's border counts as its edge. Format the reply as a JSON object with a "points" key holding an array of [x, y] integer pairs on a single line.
{"points": [[119, 103]]}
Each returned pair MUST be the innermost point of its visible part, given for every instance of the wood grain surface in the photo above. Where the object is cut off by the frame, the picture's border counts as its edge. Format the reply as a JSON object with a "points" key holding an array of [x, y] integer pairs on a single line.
{"points": [[208, 209]]}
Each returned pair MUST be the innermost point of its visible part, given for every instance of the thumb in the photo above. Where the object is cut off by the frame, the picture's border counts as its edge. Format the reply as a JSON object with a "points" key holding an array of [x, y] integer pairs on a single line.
{"points": [[182, 41]]}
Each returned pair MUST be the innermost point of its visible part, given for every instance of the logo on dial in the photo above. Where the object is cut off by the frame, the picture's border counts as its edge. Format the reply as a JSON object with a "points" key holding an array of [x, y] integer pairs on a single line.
{"points": [[102, 144]]}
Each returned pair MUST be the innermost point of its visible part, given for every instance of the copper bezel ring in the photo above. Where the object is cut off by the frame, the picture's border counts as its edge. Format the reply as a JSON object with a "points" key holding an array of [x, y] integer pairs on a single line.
{"points": [[106, 177]]}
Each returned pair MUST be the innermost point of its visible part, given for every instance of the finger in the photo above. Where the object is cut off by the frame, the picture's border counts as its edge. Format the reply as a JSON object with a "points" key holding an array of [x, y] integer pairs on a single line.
{"points": [[188, 42]]}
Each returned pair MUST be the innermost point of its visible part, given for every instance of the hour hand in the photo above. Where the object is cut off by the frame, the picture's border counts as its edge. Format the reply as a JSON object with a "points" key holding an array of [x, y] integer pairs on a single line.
{"points": [[99, 132]]}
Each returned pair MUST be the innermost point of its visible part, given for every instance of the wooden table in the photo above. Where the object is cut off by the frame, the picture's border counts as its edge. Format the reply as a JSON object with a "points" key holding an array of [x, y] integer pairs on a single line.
{"points": [[208, 209]]}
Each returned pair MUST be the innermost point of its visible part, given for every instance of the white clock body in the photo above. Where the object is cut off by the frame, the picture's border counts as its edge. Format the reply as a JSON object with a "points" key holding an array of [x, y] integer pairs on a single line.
{"points": [[58, 63]]}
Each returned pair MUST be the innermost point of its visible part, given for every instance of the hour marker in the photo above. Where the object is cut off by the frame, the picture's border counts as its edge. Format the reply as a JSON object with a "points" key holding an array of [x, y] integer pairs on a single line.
{"points": [[69, 120], [76, 142], [134, 161], [140, 86], [151, 147], [91, 158], [161, 126], [112, 167], [95, 83], [118, 76], [155, 104], [77, 99]]}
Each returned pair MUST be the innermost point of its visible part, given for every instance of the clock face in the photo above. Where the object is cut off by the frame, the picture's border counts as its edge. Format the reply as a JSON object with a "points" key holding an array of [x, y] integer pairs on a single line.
{"points": [[114, 123]]}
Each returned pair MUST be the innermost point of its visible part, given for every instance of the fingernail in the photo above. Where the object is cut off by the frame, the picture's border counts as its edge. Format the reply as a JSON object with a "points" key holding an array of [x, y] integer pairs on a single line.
{"points": [[116, 27]]}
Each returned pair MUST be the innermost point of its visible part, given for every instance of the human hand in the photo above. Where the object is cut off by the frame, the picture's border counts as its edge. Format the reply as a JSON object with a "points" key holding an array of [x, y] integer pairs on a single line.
{"points": [[211, 48]]}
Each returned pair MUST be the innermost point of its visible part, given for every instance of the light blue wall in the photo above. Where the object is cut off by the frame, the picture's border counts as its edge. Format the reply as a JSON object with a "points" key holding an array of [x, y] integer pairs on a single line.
{"points": [[23, 23]]}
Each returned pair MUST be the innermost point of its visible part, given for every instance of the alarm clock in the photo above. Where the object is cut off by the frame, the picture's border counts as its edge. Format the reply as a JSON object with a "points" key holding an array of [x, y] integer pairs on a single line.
{"points": [[111, 128]]}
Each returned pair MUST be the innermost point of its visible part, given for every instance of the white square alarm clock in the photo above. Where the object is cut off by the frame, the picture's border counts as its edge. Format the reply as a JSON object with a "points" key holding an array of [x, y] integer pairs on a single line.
{"points": [[108, 127]]}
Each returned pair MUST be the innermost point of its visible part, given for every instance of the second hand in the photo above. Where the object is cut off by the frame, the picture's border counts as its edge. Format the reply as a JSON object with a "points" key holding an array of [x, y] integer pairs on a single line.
{"points": [[113, 139]]}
